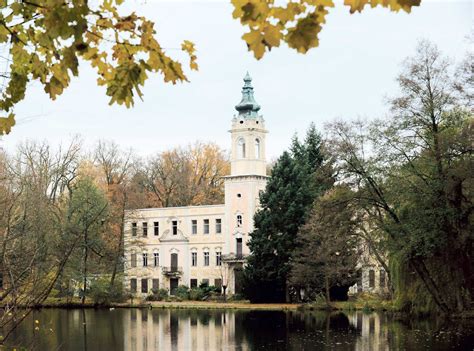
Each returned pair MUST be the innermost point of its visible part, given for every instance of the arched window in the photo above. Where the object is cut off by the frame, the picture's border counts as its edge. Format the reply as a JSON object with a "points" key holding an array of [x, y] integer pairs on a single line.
{"points": [[239, 220], [241, 148], [257, 148]]}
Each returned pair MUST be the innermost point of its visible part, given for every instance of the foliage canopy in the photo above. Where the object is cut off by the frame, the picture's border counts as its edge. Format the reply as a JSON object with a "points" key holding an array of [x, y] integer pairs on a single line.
{"points": [[46, 39]]}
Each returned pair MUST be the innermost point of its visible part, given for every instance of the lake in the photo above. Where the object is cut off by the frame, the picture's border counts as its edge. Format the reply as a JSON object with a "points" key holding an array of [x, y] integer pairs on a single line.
{"points": [[179, 329]]}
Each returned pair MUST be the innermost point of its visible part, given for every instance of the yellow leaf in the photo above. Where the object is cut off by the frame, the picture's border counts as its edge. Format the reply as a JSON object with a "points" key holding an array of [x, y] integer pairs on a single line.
{"points": [[304, 35], [254, 42], [272, 35], [6, 124]]}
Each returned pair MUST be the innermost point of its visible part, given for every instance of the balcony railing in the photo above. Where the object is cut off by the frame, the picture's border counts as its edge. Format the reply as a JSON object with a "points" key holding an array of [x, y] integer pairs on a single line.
{"points": [[172, 270], [234, 258]]}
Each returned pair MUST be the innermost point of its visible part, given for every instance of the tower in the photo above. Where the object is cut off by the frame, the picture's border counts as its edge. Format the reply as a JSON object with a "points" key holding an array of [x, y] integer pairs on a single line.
{"points": [[248, 172]]}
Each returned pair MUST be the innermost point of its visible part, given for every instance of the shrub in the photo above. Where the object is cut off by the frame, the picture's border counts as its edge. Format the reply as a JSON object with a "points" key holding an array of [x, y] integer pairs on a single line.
{"points": [[182, 292], [196, 294], [102, 293], [157, 295]]}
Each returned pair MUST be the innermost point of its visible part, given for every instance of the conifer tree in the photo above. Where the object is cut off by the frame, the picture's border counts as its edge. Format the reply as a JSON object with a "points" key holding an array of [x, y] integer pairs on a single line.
{"points": [[285, 204]]}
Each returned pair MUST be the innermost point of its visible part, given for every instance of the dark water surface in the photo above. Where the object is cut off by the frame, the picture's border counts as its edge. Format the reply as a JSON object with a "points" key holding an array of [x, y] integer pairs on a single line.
{"points": [[208, 330]]}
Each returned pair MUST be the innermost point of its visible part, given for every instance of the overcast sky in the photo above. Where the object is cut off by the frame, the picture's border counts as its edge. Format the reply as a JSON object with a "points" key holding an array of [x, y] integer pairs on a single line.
{"points": [[347, 76]]}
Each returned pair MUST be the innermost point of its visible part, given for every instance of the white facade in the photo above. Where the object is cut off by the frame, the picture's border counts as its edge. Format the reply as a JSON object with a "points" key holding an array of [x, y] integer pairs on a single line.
{"points": [[167, 247]]}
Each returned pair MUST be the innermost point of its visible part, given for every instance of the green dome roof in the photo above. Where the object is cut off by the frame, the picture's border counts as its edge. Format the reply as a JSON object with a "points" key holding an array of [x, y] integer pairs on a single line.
{"points": [[248, 107]]}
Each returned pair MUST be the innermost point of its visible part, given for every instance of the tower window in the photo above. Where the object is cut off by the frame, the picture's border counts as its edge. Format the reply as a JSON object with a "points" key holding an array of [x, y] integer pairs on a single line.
{"points": [[241, 148], [257, 148], [239, 195], [239, 220], [241, 122]]}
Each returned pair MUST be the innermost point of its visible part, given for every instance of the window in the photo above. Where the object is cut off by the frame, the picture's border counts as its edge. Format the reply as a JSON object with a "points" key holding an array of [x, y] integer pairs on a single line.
{"points": [[206, 226], [134, 229], [175, 227], [257, 148], [133, 285], [371, 278], [218, 258], [1, 280], [205, 282], [239, 195], [206, 258], [145, 259], [241, 148], [239, 220], [156, 259], [145, 228], [133, 260], [194, 259], [194, 283], [382, 278], [194, 226], [156, 228], [218, 226], [218, 283], [239, 247], [145, 285], [155, 284]]}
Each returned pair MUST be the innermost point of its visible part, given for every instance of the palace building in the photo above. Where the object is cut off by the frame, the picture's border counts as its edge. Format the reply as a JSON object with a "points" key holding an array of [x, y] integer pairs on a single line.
{"points": [[168, 247]]}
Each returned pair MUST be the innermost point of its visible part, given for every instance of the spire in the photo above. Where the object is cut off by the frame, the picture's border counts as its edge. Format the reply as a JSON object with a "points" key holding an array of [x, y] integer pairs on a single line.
{"points": [[248, 107]]}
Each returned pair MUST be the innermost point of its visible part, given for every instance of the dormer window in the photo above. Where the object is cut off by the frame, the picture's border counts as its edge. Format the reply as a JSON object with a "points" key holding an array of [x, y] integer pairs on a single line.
{"points": [[175, 227], [241, 148]]}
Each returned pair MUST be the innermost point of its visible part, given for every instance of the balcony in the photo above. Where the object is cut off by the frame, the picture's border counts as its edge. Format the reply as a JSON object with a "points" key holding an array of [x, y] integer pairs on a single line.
{"points": [[173, 271], [234, 258]]}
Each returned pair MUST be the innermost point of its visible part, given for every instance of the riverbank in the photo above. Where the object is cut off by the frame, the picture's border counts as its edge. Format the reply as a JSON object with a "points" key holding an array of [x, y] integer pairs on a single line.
{"points": [[241, 305]]}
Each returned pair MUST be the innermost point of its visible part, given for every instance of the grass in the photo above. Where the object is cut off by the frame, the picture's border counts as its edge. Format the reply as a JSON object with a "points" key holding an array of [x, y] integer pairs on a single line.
{"points": [[363, 302]]}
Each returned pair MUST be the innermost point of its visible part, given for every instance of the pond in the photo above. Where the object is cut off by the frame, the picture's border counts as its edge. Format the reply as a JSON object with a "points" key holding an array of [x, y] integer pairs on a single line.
{"points": [[179, 329]]}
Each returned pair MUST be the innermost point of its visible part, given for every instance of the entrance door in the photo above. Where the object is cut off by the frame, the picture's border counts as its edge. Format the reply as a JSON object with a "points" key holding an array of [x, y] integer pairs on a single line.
{"points": [[239, 247], [173, 285], [174, 262], [238, 276]]}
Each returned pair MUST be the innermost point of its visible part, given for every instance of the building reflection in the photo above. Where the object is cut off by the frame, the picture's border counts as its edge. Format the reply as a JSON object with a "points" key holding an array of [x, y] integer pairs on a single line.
{"points": [[165, 329], [372, 330]]}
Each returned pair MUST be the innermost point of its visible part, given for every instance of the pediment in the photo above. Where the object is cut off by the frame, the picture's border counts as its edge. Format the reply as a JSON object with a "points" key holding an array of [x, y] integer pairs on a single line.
{"points": [[167, 236]]}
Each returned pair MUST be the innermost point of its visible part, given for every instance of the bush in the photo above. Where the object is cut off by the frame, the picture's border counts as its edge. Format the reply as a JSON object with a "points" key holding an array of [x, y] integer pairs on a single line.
{"points": [[157, 295], [196, 294], [182, 292], [237, 297], [102, 293]]}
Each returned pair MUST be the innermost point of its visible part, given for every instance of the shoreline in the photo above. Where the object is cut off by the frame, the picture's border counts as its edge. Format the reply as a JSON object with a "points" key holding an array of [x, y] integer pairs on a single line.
{"points": [[366, 306]]}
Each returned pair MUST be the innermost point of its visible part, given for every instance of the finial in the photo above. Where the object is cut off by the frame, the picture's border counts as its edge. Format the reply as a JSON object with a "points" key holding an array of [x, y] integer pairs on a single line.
{"points": [[248, 107], [247, 78]]}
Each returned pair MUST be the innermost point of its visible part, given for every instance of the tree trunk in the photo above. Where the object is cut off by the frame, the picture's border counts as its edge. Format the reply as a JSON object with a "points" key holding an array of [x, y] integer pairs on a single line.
{"points": [[121, 242], [84, 286], [327, 288], [419, 266]]}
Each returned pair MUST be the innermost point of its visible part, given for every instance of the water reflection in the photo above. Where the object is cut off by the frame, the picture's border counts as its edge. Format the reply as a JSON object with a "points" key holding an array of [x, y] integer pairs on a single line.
{"points": [[163, 329], [146, 330]]}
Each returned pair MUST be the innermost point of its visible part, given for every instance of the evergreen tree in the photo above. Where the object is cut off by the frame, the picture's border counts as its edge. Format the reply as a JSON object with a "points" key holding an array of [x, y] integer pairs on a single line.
{"points": [[326, 252], [285, 204]]}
